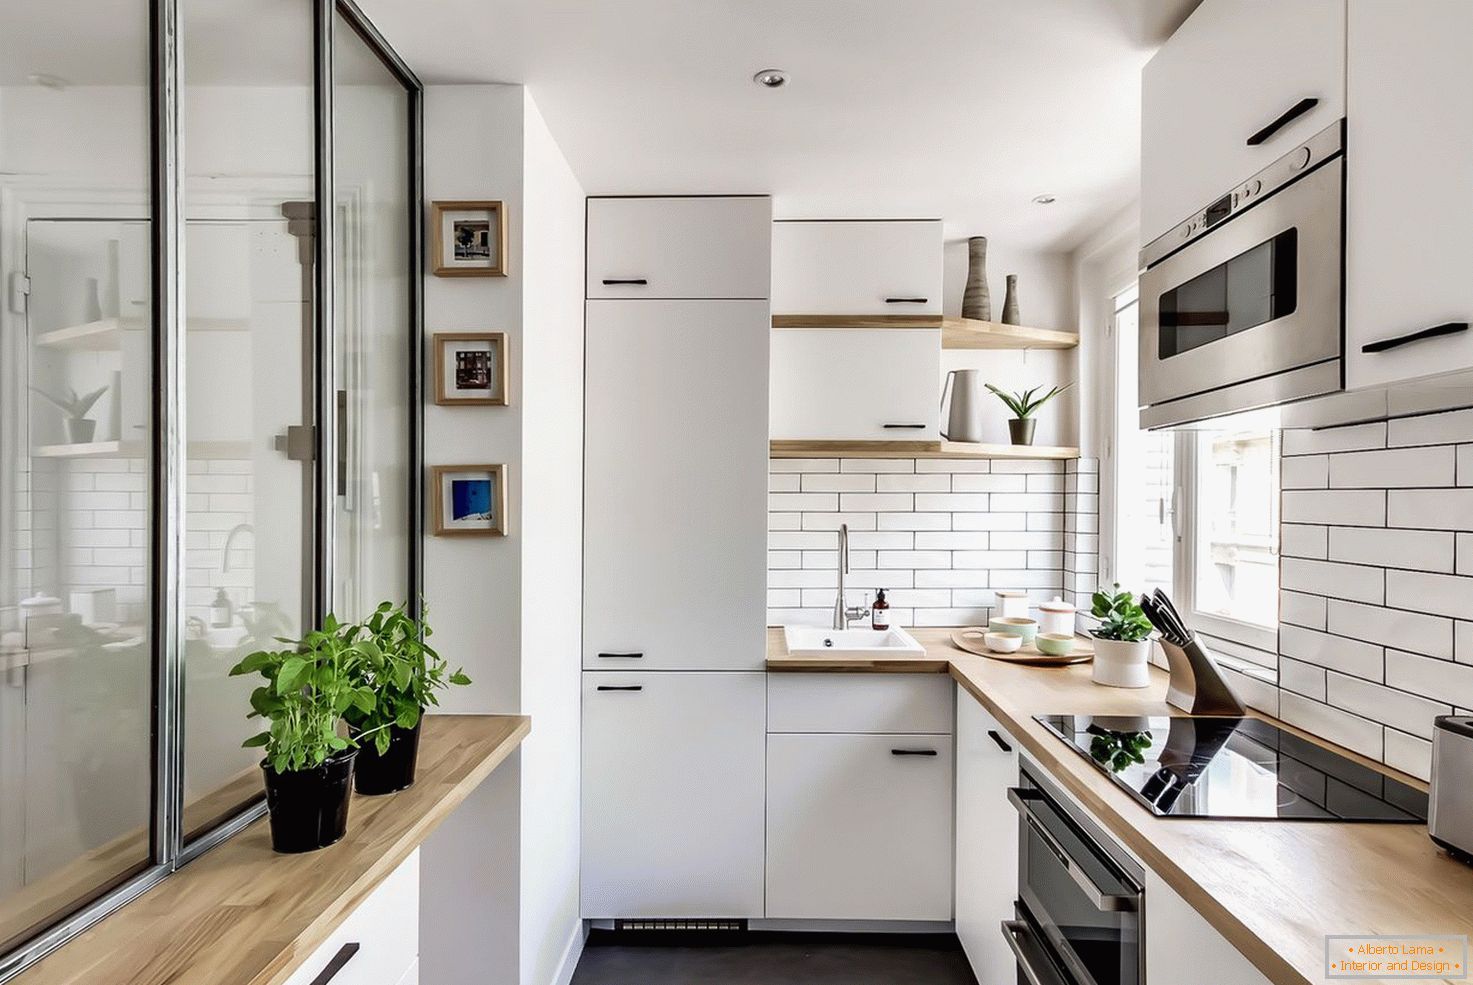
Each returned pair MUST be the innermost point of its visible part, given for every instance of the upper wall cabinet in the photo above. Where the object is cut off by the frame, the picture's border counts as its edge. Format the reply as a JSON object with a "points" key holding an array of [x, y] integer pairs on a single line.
{"points": [[679, 247], [856, 267], [1231, 92], [1409, 214]]}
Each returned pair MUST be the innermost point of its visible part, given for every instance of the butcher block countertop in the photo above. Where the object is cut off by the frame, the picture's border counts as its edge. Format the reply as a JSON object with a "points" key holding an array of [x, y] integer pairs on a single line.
{"points": [[1272, 888], [243, 915]]}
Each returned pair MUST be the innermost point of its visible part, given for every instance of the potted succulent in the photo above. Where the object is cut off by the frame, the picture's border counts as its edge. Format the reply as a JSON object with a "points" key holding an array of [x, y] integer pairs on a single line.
{"points": [[1022, 425], [79, 427], [308, 761], [403, 672], [1122, 640]]}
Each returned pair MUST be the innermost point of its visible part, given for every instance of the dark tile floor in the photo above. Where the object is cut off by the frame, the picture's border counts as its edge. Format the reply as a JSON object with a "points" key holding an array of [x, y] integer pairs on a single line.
{"points": [[809, 961]]}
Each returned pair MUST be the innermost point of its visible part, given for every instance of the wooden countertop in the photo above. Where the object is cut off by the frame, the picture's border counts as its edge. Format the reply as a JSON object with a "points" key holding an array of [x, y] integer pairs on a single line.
{"points": [[243, 915], [1272, 888]]}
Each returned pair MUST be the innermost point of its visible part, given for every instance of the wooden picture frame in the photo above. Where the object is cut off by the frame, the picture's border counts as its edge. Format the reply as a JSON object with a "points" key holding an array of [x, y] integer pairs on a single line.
{"points": [[468, 511], [468, 239], [470, 382]]}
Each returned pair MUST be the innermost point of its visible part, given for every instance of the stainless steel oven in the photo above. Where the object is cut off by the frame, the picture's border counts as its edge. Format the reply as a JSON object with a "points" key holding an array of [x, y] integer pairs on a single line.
{"points": [[1079, 915], [1241, 304]]}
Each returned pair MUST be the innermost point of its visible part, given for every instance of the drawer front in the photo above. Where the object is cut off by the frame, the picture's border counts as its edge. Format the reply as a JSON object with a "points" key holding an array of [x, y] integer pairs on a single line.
{"points": [[898, 703], [378, 943], [679, 247], [857, 268]]}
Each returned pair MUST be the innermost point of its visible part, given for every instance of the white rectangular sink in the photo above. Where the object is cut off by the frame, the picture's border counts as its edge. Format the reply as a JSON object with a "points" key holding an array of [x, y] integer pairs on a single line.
{"points": [[816, 641]]}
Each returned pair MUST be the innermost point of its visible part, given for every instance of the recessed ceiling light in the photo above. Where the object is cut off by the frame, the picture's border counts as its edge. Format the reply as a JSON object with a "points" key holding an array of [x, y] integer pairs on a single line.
{"points": [[770, 78], [1044, 200], [48, 81]]}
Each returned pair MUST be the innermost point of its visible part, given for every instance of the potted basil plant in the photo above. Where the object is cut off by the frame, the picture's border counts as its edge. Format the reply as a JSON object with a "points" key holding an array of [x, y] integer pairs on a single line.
{"points": [[308, 761], [1023, 405], [403, 672], [1122, 640]]}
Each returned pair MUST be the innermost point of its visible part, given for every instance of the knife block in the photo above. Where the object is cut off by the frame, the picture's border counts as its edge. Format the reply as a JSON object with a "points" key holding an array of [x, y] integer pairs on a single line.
{"points": [[1197, 685]]}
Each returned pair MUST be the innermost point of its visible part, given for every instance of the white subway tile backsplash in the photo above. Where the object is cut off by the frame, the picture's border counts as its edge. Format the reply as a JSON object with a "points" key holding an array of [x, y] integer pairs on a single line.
{"points": [[952, 578], [1463, 564], [1420, 549], [1393, 468], [803, 465], [989, 521], [915, 559], [1026, 465], [953, 502], [887, 502], [1028, 540], [913, 483], [838, 483], [1347, 581], [914, 521], [1400, 710], [1302, 610], [951, 617], [830, 559], [1390, 627], [784, 521], [799, 540], [1301, 678], [1029, 502], [989, 483], [1303, 540], [1409, 754], [783, 482], [1353, 438], [832, 521], [803, 578], [1361, 659], [1447, 595], [1432, 429], [1351, 731], [785, 598], [1463, 642], [802, 501], [1465, 465], [991, 559], [1305, 472], [884, 540], [1441, 680], [1346, 507], [953, 540], [877, 465], [953, 466], [1430, 509]]}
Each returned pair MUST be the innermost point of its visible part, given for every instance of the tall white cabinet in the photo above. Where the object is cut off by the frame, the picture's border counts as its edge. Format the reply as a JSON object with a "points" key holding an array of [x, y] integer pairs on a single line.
{"points": [[675, 530]]}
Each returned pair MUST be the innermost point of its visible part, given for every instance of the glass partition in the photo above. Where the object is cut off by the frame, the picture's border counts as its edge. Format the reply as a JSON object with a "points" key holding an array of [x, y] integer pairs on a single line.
{"points": [[76, 650]]}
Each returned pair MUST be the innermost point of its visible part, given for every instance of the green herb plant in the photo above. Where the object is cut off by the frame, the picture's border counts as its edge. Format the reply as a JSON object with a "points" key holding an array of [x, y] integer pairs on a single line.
{"points": [[309, 686], [400, 669], [1121, 617], [1024, 404], [1117, 750]]}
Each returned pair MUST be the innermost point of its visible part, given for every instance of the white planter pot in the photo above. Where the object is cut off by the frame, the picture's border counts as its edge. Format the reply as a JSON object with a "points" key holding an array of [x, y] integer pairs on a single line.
{"points": [[1121, 664]]}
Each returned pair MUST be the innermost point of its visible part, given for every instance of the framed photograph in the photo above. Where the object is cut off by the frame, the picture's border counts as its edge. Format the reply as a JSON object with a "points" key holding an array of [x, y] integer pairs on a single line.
{"points": [[468, 239], [470, 368], [470, 500]]}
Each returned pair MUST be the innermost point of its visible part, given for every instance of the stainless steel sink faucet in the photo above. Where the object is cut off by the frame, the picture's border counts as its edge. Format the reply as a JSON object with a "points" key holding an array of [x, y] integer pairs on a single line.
{"points": [[843, 613]]}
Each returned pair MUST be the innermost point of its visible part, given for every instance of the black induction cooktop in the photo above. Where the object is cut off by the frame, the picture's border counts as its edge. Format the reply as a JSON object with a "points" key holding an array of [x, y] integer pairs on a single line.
{"points": [[1234, 768]]}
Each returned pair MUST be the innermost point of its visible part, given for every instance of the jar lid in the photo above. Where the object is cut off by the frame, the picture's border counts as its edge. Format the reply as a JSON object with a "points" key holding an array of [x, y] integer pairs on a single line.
{"points": [[1056, 605]]}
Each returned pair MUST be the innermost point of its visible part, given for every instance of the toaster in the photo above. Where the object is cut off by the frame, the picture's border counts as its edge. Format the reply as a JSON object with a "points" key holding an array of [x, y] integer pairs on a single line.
{"points": [[1450, 813]]}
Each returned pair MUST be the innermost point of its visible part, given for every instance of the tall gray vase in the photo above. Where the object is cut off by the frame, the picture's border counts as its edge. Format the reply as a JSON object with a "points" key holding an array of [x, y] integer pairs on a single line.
{"points": [[1010, 302], [976, 302]]}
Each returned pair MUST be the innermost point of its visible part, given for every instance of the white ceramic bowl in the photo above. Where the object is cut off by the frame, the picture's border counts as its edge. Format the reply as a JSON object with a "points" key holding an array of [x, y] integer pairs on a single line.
{"points": [[1003, 642]]}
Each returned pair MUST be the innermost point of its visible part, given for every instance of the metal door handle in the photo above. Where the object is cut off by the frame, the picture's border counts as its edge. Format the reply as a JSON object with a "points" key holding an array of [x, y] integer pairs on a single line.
{"points": [[626, 281], [1001, 742], [621, 656], [1381, 345], [912, 752], [1032, 960], [342, 443], [1284, 119], [903, 427], [906, 300], [344, 955], [1105, 902], [621, 687]]}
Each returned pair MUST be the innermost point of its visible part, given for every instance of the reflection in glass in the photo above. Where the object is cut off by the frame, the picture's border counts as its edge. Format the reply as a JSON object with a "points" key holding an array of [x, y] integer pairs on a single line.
{"points": [[248, 250], [76, 762], [373, 325]]}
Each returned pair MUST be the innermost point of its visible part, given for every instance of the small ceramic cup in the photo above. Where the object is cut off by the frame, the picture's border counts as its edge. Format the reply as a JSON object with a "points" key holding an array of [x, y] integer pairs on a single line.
{"points": [[1017, 625], [1003, 642], [1055, 644]]}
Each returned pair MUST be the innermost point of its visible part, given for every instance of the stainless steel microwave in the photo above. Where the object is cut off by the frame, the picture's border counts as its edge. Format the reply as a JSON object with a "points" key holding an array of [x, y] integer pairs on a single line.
{"points": [[1241, 306]]}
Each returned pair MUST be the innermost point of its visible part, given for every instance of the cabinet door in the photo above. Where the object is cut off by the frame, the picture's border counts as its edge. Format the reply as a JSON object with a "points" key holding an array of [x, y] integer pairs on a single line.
{"points": [[675, 508], [861, 384], [672, 795], [679, 247], [859, 827], [1232, 69], [986, 839], [1180, 943], [1409, 217], [856, 268], [378, 943]]}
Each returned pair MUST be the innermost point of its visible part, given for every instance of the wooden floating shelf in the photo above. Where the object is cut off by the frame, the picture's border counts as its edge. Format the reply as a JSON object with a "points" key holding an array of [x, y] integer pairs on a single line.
{"points": [[918, 449], [106, 335], [139, 449], [856, 321], [969, 333]]}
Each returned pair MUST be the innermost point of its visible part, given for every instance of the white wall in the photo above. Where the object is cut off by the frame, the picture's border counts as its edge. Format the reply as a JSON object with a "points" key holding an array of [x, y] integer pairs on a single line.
{"points": [[552, 573]]}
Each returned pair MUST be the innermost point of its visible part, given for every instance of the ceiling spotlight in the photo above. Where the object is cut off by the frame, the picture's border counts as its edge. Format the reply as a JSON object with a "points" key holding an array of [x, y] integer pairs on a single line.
{"points": [[770, 78], [47, 81], [1044, 200]]}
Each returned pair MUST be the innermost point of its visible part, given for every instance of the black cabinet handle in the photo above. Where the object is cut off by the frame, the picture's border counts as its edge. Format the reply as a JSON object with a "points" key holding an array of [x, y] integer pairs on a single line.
{"points": [[631, 281], [621, 687], [1001, 742], [1289, 116], [903, 426], [1451, 328], [912, 752], [906, 300], [621, 656], [344, 955]]}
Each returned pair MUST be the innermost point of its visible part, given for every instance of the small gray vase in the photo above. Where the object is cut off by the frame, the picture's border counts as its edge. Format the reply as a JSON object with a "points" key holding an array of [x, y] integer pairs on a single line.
{"points": [[976, 302], [1010, 302]]}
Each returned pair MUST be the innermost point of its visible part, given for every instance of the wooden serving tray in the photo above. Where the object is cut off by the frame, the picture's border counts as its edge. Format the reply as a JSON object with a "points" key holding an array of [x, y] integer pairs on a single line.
{"points": [[970, 638]]}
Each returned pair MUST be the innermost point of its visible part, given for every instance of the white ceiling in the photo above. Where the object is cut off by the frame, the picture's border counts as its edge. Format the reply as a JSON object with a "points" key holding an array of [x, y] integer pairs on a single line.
{"points": [[959, 109]]}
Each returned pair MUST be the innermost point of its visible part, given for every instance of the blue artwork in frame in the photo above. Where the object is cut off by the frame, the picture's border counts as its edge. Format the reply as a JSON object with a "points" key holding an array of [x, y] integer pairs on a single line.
{"points": [[469, 499]]}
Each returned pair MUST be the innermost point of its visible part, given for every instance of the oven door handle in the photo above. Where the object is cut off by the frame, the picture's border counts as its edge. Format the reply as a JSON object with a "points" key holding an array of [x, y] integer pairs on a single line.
{"points": [[1105, 902], [1032, 961]]}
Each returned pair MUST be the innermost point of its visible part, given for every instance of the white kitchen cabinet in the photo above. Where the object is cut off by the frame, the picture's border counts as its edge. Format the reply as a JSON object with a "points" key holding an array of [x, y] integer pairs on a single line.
{"points": [[856, 267], [1232, 69], [672, 794], [986, 839], [1409, 217], [675, 473], [859, 827], [712, 247], [378, 943], [856, 384], [1180, 943], [909, 703]]}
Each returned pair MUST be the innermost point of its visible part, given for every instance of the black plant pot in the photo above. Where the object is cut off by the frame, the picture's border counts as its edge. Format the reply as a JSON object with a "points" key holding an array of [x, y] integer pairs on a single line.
{"points": [[394, 769], [309, 808], [1021, 430]]}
